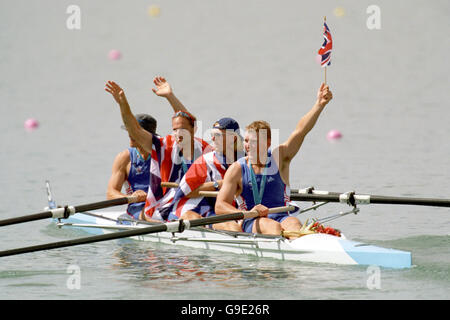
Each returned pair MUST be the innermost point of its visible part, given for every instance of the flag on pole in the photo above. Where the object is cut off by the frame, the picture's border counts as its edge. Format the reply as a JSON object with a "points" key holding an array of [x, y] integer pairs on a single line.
{"points": [[327, 46]]}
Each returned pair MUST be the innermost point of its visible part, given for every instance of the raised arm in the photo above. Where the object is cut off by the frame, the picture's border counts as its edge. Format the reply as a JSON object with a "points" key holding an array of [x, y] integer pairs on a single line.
{"points": [[139, 134], [289, 149], [163, 89]]}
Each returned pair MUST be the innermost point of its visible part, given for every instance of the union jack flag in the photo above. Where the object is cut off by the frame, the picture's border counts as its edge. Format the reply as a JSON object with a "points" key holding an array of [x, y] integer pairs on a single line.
{"points": [[327, 46], [208, 167], [166, 166]]}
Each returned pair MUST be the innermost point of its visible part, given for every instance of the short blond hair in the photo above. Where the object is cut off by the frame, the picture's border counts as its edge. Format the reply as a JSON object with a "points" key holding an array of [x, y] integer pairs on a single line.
{"points": [[259, 125]]}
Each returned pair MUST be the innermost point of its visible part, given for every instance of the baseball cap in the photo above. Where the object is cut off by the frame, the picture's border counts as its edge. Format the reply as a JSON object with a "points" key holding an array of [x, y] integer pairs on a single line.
{"points": [[229, 124], [226, 124]]}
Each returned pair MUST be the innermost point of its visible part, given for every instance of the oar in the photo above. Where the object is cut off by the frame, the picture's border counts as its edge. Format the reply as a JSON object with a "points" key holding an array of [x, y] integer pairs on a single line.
{"points": [[210, 194], [169, 184], [176, 226], [68, 210], [353, 199]]}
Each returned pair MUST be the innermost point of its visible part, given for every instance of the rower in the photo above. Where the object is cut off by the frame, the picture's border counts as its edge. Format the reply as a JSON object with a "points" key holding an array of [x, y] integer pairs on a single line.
{"points": [[171, 155], [206, 174], [262, 177], [131, 170]]}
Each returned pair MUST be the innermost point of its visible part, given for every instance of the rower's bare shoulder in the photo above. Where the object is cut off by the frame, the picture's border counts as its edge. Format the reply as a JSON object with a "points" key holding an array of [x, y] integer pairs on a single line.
{"points": [[122, 159], [124, 155], [282, 161], [233, 178], [234, 171], [279, 155], [231, 185]]}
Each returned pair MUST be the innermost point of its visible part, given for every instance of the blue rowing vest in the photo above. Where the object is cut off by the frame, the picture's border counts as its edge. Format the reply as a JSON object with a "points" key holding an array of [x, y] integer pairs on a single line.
{"points": [[275, 193], [138, 179]]}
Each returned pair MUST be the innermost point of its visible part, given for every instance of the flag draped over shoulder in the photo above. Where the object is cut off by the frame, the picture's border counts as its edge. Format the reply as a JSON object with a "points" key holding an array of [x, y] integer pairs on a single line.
{"points": [[207, 168], [327, 46], [167, 166]]}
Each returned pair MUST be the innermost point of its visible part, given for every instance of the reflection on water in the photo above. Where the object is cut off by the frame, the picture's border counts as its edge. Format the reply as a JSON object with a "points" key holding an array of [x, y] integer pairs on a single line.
{"points": [[174, 266]]}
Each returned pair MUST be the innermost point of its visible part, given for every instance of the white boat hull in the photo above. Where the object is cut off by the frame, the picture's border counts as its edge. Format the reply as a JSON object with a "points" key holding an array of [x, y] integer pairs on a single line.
{"points": [[321, 248]]}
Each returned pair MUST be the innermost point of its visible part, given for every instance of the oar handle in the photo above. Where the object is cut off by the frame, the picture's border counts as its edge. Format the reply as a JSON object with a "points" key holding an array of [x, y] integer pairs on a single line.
{"points": [[209, 194], [169, 184], [255, 214]]}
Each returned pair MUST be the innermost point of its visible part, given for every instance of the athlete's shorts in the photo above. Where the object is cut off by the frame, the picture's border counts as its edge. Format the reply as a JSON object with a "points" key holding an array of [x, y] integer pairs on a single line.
{"points": [[247, 226], [125, 219], [135, 210], [210, 213]]}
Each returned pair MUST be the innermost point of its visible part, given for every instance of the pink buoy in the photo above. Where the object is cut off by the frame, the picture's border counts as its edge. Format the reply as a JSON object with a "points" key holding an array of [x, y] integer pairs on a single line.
{"points": [[334, 135], [31, 124], [114, 55]]}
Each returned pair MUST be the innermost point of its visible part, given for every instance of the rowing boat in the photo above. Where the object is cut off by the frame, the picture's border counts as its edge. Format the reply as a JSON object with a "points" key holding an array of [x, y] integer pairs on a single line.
{"points": [[309, 247], [319, 247]]}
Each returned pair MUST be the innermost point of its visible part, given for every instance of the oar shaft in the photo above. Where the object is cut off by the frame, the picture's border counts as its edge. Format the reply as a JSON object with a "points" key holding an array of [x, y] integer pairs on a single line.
{"points": [[410, 201], [104, 204], [32, 217], [372, 199], [61, 212], [86, 240], [215, 219], [235, 216]]}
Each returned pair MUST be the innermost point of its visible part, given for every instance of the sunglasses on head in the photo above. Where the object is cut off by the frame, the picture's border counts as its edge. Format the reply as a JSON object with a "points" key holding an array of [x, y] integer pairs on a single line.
{"points": [[185, 115]]}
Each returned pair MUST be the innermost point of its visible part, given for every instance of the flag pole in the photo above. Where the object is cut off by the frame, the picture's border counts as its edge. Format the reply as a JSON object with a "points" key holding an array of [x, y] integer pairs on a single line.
{"points": [[324, 21]]}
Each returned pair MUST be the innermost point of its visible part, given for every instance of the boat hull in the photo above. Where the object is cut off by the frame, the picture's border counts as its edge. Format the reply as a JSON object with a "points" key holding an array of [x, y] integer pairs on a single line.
{"points": [[321, 248]]}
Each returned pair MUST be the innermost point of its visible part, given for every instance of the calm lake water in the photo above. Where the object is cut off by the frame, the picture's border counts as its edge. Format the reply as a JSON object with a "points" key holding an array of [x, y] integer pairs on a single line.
{"points": [[245, 59]]}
